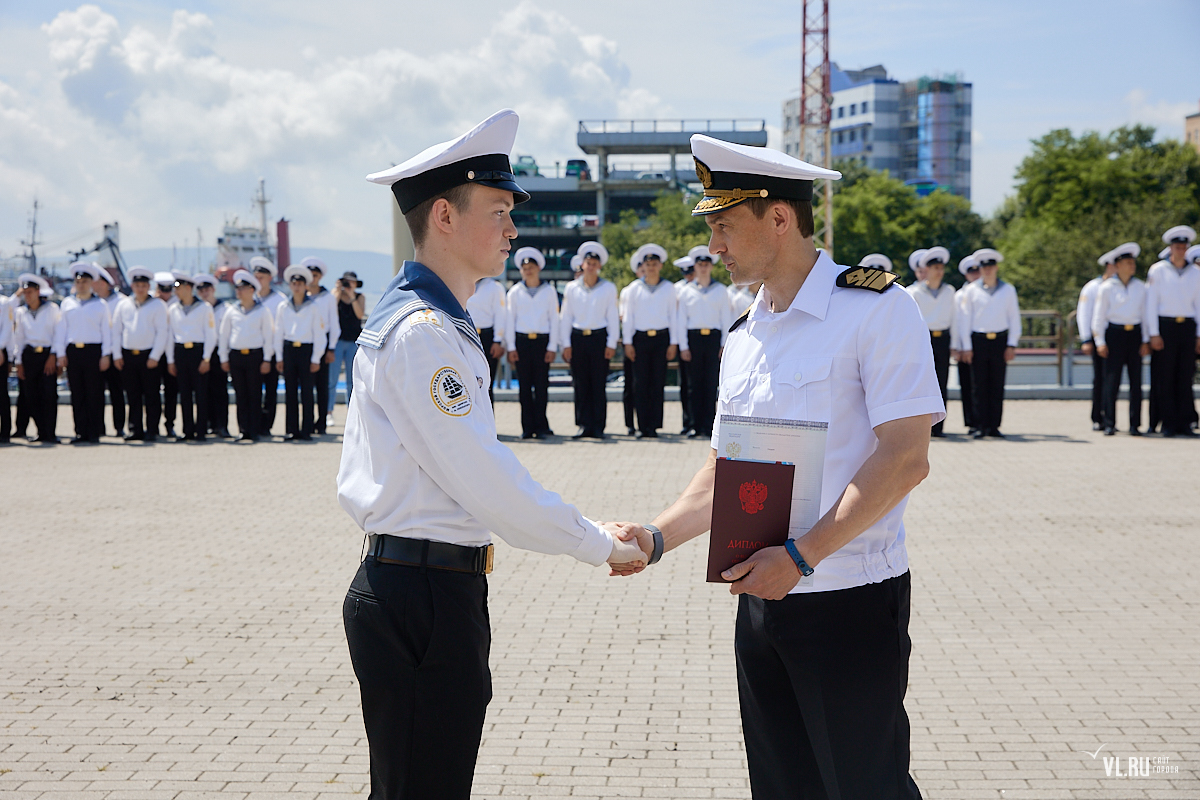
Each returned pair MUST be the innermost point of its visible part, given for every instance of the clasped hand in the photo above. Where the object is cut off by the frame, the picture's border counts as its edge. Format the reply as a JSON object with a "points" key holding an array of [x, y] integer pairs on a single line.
{"points": [[632, 547]]}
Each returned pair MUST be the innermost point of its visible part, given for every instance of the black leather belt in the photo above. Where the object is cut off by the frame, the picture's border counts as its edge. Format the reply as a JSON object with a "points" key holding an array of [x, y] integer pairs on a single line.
{"points": [[425, 553]]}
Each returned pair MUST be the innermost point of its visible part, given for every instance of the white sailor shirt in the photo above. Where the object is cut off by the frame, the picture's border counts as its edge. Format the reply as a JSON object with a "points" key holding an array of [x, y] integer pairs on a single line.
{"points": [[984, 311], [273, 300], [703, 307], [35, 328], [192, 324], [328, 305], [1085, 310], [6, 327], [1119, 304], [246, 330], [960, 302], [486, 307], [84, 322], [740, 298], [854, 359], [651, 308], [590, 308], [938, 309], [140, 326], [304, 325], [1171, 292], [531, 311]]}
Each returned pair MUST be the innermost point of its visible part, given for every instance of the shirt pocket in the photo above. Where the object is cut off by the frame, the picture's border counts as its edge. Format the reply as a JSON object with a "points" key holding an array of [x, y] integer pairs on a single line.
{"points": [[803, 387], [734, 395]]}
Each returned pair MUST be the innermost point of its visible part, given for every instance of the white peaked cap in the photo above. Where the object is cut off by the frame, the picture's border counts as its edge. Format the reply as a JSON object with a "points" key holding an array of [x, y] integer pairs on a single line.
{"points": [[46, 291], [298, 269], [934, 254], [140, 272], [164, 278], [1192, 254], [85, 268], [685, 263], [245, 276], [314, 262], [987, 254], [914, 258], [181, 276], [203, 278], [576, 262], [701, 251], [645, 250], [596, 249], [1164, 253], [103, 273], [262, 262], [526, 253], [732, 173], [1182, 232], [966, 264], [1130, 249], [876, 260], [29, 277], [1105, 259]]}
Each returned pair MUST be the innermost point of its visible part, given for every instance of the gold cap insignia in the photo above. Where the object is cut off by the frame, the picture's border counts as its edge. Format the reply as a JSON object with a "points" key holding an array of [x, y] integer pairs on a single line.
{"points": [[703, 173]]}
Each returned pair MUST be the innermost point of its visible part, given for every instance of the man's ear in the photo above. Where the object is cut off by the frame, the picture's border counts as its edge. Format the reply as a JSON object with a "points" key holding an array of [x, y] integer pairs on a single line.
{"points": [[782, 218], [441, 215]]}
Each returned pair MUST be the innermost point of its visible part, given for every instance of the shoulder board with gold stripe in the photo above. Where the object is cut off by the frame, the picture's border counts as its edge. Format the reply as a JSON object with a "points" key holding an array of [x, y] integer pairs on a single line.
{"points": [[877, 280], [737, 323]]}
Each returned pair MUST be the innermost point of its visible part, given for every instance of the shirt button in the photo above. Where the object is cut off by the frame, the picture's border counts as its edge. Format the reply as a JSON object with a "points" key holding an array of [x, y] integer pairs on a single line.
{"points": [[798, 376], [774, 329]]}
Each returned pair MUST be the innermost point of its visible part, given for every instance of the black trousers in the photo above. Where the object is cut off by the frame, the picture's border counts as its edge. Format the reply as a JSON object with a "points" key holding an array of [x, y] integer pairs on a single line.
{"points": [[1099, 374], [589, 374], [487, 336], [116, 396], [22, 426], [298, 383], [704, 373], [193, 389], [650, 377], [218, 398], [321, 379], [5, 401], [1123, 354], [1176, 371], [685, 395], [170, 392], [941, 366], [628, 394], [41, 392], [419, 642], [141, 389], [245, 373], [533, 374], [821, 680], [987, 374], [87, 390], [270, 396], [966, 392]]}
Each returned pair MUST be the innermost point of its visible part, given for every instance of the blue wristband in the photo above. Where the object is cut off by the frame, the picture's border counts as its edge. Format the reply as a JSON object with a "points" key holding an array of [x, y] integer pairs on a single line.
{"points": [[801, 564]]}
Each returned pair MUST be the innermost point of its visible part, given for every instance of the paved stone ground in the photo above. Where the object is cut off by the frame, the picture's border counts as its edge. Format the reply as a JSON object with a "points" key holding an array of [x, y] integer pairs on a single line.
{"points": [[171, 624]]}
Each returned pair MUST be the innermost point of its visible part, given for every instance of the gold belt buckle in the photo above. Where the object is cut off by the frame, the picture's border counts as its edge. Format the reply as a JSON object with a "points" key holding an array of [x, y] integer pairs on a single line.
{"points": [[245, 351], [533, 336], [652, 333], [991, 336], [188, 345], [479, 331], [1180, 319], [136, 352], [487, 566], [80, 345], [38, 349], [936, 334], [1128, 327], [587, 331], [705, 331]]}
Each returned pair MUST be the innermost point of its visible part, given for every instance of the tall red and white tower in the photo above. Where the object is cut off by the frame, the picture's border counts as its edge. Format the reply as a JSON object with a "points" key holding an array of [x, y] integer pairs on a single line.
{"points": [[816, 111]]}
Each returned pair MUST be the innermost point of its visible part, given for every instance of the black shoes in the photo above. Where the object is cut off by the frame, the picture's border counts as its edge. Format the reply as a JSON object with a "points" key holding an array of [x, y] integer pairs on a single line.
{"points": [[646, 435], [1134, 432], [1096, 426], [1110, 431], [526, 435], [581, 434], [135, 437]]}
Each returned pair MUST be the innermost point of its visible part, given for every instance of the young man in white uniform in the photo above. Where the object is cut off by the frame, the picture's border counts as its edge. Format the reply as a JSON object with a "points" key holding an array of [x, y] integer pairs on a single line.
{"points": [[704, 320], [1120, 336], [487, 310], [990, 317], [938, 308], [531, 338], [590, 327], [651, 335]]}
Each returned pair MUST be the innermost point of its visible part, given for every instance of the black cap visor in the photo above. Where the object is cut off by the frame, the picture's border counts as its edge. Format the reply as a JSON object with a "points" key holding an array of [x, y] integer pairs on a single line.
{"points": [[491, 170]]}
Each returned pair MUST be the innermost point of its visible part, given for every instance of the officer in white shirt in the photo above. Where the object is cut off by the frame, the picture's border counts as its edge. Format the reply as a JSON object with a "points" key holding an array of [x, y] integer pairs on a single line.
{"points": [[704, 320], [1120, 337], [687, 268], [264, 270], [1172, 308], [245, 345], [938, 307], [164, 289], [627, 371], [328, 305], [487, 310], [1084, 312], [84, 348], [821, 690], [140, 335], [35, 330], [300, 343], [106, 290], [218, 379], [424, 476], [6, 337], [651, 335], [531, 338], [990, 317], [589, 329], [189, 355]]}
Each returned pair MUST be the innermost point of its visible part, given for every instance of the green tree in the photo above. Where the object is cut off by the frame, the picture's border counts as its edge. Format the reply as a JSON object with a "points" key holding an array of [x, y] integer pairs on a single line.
{"points": [[671, 225]]}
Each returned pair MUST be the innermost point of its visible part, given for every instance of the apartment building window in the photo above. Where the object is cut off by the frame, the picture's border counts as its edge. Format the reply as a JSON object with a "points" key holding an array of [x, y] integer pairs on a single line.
{"points": [[841, 111], [864, 108], [853, 109], [852, 136], [839, 137]]}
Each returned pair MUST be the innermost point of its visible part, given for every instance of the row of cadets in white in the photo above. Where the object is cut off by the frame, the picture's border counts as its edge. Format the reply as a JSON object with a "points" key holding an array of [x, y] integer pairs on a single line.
{"points": [[938, 309], [1118, 304], [1171, 292], [703, 307], [989, 311], [194, 324], [84, 322], [590, 308], [531, 311], [304, 324], [486, 307], [650, 308], [35, 328], [141, 326], [246, 330]]}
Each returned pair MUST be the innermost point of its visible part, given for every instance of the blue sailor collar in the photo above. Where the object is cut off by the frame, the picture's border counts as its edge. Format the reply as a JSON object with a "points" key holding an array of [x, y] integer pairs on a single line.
{"points": [[415, 288]]}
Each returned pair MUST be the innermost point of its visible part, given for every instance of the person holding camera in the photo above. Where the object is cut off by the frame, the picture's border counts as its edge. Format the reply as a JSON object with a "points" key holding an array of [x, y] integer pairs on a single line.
{"points": [[351, 311]]}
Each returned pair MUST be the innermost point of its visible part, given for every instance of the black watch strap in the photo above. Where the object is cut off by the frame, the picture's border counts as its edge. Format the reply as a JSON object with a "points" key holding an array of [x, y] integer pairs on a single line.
{"points": [[658, 544]]}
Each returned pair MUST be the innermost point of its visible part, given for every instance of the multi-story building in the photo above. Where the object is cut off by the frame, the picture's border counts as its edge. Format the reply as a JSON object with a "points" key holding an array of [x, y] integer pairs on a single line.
{"points": [[919, 130], [1191, 130]]}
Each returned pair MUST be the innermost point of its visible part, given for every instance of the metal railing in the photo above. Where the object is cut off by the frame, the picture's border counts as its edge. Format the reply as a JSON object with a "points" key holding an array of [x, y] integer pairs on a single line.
{"points": [[669, 125], [1043, 330]]}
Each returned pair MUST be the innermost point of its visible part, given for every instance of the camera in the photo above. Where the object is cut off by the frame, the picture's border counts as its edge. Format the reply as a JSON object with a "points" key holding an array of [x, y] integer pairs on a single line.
{"points": [[345, 284]]}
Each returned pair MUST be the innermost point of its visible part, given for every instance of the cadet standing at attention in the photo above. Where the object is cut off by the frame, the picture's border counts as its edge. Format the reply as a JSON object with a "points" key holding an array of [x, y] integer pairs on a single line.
{"points": [[1120, 338], [164, 290], [1084, 312], [35, 330], [423, 475], [966, 388], [193, 339], [704, 320], [265, 273], [991, 320], [140, 331], [300, 344], [590, 327], [1172, 308], [328, 304], [84, 349], [6, 334], [627, 371], [687, 267], [487, 311], [938, 308], [218, 379], [821, 639], [106, 290], [246, 343], [651, 336], [531, 329]]}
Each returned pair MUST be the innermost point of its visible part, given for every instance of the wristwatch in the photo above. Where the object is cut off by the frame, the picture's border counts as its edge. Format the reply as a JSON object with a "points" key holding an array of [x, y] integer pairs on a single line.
{"points": [[658, 544], [801, 564]]}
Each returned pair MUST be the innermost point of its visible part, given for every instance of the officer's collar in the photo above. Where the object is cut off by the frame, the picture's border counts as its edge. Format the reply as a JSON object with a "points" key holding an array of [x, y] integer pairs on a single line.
{"points": [[813, 297], [415, 287]]}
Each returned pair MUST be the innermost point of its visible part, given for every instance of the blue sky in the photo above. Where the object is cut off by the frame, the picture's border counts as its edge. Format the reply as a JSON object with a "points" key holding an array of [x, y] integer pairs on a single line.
{"points": [[164, 114]]}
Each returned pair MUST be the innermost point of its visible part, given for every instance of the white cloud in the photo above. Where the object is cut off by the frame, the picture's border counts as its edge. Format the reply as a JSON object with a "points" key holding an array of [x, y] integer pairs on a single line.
{"points": [[1164, 115]]}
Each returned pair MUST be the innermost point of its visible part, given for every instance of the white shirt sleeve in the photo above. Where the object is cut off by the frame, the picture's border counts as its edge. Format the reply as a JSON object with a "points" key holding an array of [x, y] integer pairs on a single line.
{"points": [[58, 344], [673, 315], [963, 319], [552, 312], [162, 331], [223, 337], [279, 331], [210, 331], [1085, 312], [510, 336], [267, 326], [1014, 318], [612, 322], [499, 314], [629, 323], [1098, 324], [896, 362], [1151, 315], [566, 318]]}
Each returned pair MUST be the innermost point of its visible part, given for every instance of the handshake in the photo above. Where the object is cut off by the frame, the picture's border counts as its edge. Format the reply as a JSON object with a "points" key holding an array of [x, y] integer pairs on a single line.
{"points": [[633, 546]]}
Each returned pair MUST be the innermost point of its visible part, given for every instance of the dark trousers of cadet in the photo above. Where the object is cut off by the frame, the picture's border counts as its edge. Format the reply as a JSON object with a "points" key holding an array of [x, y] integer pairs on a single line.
{"points": [[116, 396], [419, 642], [704, 373], [170, 392], [1124, 348], [193, 389], [821, 680], [218, 397], [22, 425], [270, 396], [141, 389], [533, 374], [1099, 375], [966, 393], [87, 390], [41, 391], [321, 381], [487, 337], [589, 374], [940, 340], [245, 373], [1177, 369], [628, 394], [685, 396], [298, 380], [5, 401], [650, 377], [987, 374]]}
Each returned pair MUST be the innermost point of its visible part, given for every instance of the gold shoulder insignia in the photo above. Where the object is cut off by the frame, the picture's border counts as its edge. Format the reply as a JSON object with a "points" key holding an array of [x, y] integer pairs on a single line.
{"points": [[877, 280], [737, 323]]}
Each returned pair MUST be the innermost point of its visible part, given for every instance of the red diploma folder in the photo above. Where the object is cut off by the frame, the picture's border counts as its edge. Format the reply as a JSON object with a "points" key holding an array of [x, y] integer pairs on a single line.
{"points": [[752, 508]]}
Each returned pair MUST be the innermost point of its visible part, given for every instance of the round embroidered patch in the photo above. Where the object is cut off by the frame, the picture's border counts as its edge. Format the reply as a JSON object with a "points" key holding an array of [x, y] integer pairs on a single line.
{"points": [[449, 394]]}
